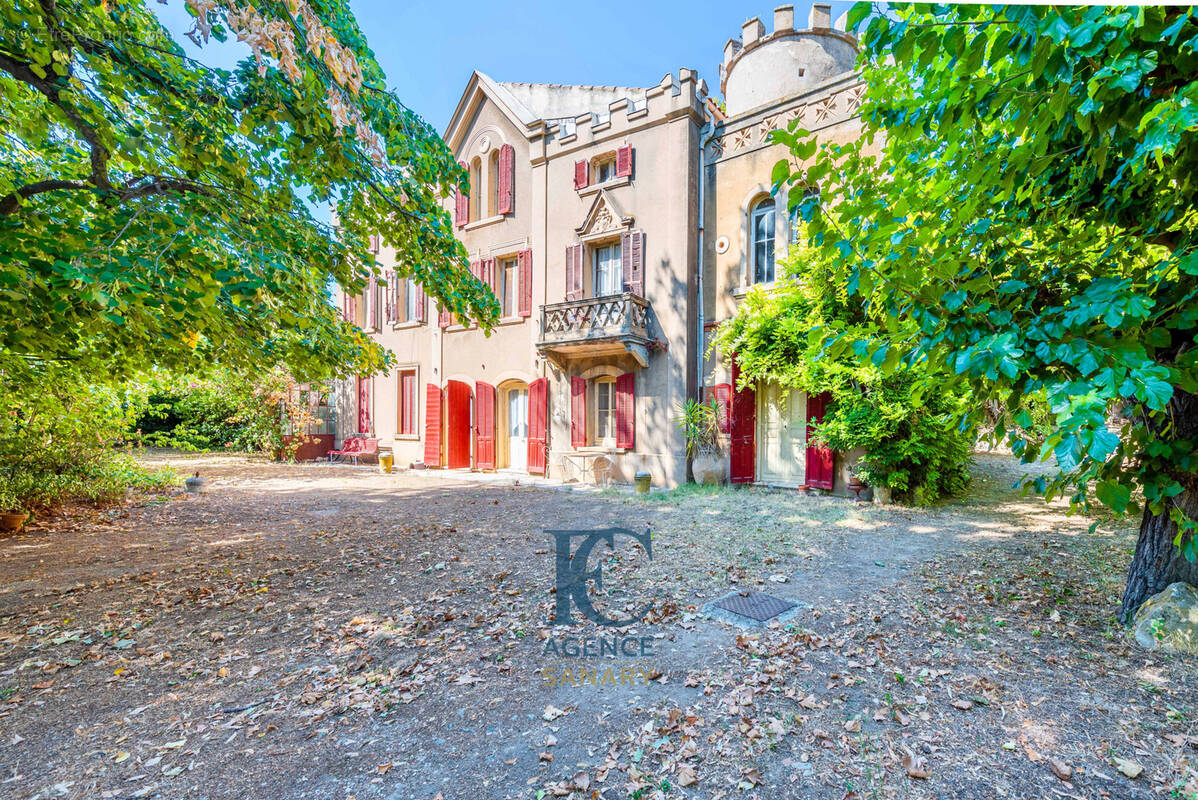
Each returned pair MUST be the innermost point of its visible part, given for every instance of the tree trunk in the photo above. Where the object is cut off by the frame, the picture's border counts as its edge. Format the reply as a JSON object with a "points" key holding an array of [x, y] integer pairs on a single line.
{"points": [[1157, 562]]}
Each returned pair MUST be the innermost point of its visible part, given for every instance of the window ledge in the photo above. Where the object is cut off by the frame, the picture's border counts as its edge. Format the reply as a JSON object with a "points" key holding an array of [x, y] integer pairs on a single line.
{"points": [[512, 320], [612, 184], [406, 437], [399, 326], [741, 291], [602, 450], [482, 223]]}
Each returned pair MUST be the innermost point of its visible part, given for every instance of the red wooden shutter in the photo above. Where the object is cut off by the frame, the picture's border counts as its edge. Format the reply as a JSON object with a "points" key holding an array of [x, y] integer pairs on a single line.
{"points": [[507, 179], [372, 303], [624, 161], [458, 430], [820, 460], [574, 272], [421, 302], [389, 298], [582, 174], [374, 243], [626, 411], [632, 261], [488, 276], [484, 420], [444, 318], [578, 411], [407, 403], [461, 208], [723, 397], [538, 425], [364, 425], [525, 270], [432, 425], [744, 431]]}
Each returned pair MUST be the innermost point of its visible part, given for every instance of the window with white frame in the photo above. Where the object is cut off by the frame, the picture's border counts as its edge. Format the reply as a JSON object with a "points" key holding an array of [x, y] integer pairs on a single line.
{"points": [[407, 406], [761, 232], [605, 411], [607, 277], [605, 169], [411, 297], [509, 287]]}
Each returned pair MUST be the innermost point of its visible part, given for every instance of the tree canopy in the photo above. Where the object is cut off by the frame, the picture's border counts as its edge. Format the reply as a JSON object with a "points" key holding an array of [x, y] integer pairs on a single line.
{"points": [[1019, 216], [152, 209]]}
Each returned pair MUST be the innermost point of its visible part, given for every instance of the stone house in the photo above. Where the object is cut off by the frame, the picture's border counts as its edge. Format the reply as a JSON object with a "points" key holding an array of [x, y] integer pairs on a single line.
{"points": [[617, 226]]}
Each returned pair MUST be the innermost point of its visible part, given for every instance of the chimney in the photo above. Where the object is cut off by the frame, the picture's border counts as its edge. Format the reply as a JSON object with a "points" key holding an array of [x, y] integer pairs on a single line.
{"points": [[753, 30], [731, 48], [821, 16], [784, 19]]}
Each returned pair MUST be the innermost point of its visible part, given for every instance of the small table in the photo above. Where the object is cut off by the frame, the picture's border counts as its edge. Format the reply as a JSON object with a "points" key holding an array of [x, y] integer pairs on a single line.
{"points": [[594, 462]]}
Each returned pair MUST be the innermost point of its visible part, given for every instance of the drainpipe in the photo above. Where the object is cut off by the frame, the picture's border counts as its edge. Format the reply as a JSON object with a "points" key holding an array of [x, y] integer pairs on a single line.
{"points": [[705, 138]]}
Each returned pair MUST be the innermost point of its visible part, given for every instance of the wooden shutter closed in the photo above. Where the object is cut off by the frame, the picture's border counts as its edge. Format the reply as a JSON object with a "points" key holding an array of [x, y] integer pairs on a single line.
{"points": [[372, 303], [578, 411], [574, 272], [743, 468], [507, 181], [632, 261], [374, 243], [820, 460], [626, 411], [524, 261], [723, 399], [421, 302], [390, 296], [538, 426], [624, 162], [444, 318], [364, 421], [488, 275], [484, 421], [461, 208], [432, 426], [582, 174], [346, 311]]}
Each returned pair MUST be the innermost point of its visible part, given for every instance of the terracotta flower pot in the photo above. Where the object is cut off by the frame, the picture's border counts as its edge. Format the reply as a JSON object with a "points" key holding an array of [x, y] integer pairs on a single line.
{"points": [[11, 523]]}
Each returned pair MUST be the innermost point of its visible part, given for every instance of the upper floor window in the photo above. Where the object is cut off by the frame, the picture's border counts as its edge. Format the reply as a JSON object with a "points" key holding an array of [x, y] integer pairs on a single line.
{"points": [[509, 286], [493, 181], [605, 169], [607, 278], [476, 189], [411, 295], [761, 233]]}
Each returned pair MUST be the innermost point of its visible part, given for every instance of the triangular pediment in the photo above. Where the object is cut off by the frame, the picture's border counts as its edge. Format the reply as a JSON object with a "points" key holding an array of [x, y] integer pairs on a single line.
{"points": [[604, 218]]}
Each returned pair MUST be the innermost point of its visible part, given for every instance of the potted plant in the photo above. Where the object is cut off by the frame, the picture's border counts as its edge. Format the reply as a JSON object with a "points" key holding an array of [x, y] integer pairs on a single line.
{"points": [[12, 513], [700, 424], [876, 477]]}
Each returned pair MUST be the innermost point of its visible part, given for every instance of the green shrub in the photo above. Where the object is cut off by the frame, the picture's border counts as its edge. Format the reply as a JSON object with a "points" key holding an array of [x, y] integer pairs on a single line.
{"points": [[802, 333]]}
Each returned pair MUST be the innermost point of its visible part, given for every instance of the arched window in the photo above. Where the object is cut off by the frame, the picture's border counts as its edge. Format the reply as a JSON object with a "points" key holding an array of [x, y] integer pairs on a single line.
{"points": [[493, 180], [476, 189], [761, 237]]}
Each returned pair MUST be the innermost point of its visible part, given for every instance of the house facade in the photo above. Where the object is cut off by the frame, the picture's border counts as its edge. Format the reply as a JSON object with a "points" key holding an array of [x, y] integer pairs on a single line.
{"points": [[617, 226]]}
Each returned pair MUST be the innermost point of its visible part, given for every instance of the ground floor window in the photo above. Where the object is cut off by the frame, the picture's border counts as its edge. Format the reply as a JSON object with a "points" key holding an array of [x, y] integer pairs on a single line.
{"points": [[605, 411], [408, 410]]}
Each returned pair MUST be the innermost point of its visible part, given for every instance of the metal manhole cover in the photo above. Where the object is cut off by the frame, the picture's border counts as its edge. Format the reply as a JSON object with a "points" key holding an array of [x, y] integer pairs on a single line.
{"points": [[755, 605]]}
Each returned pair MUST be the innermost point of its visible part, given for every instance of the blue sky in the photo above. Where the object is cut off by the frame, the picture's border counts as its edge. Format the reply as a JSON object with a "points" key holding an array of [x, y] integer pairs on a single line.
{"points": [[428, 49]]}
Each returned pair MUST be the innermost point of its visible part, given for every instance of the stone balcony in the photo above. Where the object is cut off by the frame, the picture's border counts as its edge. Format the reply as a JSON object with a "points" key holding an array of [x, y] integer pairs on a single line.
{"points": [[597, 326]]}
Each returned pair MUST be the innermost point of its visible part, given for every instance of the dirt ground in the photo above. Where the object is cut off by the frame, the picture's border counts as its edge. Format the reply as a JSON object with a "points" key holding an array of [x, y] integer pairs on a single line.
{"points": [[316, 631]]}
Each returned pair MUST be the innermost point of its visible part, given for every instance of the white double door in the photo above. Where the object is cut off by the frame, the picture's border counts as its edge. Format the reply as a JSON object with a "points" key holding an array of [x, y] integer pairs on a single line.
{"points": [[781, 435], [517, 428]]}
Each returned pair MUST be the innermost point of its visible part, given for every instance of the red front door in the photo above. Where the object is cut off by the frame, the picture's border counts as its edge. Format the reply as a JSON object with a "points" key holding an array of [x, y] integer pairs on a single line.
{"points": [[819, 459], [457, 425], [743, 468], [484, 414], [538, 425], [364, 405]]}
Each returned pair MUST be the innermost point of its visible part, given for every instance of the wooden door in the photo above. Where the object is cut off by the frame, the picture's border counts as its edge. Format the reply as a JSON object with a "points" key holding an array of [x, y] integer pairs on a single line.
{"points": [[744, 431], [538, 425], [457, 425], [432, 426], [484, 414], [781, 435], [517, 428], [820, 460]]}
